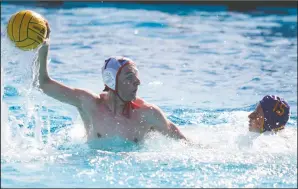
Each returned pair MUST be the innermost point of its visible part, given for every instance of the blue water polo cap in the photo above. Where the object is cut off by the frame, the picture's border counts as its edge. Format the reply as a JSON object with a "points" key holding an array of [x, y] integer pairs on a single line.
{"points": [[276, 112]]}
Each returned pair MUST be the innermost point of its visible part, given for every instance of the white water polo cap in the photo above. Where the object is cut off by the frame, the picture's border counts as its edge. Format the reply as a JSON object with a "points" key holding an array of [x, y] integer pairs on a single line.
{"points": [[111, 68]]}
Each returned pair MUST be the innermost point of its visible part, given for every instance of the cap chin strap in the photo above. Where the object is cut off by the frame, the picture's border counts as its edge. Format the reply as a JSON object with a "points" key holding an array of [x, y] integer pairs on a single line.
{"points": [[127, 105], [262, 129]]}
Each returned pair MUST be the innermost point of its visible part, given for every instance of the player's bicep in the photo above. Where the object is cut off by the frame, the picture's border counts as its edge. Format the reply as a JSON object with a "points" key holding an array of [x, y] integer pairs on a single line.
{"points": [[65, 94], [160, 123]]}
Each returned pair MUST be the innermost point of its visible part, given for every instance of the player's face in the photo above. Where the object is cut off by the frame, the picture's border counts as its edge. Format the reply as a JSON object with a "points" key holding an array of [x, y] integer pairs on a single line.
{"points": [[256, 119]]}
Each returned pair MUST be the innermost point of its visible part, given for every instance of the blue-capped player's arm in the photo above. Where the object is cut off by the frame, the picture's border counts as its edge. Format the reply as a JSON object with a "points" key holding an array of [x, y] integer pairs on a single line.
{"points": [[157, 119]]}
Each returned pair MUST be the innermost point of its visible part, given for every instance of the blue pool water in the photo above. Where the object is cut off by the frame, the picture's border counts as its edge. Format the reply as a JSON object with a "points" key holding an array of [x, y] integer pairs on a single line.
{"points": [[204, 66]]}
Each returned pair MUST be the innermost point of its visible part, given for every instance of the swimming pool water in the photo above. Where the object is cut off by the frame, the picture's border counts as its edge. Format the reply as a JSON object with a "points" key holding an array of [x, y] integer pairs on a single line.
{"points": [[205, 67]]}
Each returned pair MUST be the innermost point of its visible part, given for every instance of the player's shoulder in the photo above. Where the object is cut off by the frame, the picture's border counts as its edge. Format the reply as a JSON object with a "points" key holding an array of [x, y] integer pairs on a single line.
{"points": [[142, 103], [147, 107], [87, 96]]}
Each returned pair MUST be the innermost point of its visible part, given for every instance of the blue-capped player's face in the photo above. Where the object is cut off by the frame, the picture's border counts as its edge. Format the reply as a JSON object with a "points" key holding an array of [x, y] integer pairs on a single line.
{"points": [[256, 119], [128, 82]]}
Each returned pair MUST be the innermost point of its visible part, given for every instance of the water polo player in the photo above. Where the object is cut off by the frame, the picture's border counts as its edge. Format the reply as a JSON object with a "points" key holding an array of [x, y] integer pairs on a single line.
{"points": [[115, 112], [271, 114]]}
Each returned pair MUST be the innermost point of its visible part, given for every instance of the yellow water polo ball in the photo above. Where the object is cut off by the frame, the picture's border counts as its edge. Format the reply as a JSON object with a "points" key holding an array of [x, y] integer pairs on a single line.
{"points": [[27, 29]]}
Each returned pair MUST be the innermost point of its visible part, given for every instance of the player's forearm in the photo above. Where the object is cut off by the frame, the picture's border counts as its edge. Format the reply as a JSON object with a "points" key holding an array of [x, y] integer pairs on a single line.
{"points": [[175, 132], [45, 83], [43, 76]]}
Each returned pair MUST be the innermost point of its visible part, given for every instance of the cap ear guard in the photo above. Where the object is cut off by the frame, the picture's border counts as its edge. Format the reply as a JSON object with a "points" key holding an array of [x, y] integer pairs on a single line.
{"points": [[109, 77]]}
